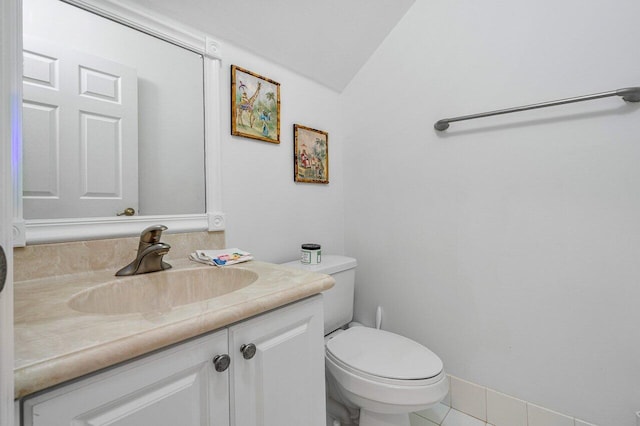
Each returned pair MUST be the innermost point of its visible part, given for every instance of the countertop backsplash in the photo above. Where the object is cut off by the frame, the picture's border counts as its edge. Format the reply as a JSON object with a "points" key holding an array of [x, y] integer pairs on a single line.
{"points": [[44, 260]]}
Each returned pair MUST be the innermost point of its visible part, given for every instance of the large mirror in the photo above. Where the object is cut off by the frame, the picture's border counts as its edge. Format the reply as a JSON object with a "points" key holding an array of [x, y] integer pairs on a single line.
{"points": [[113, 119]]}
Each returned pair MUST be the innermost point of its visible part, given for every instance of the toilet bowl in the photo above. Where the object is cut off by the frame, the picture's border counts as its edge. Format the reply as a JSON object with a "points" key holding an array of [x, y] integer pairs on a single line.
{"points": [[384, 375]]}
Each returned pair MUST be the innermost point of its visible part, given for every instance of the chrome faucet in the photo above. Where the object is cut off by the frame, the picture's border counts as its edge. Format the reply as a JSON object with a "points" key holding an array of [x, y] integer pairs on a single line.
{"points": [[150, 253]]}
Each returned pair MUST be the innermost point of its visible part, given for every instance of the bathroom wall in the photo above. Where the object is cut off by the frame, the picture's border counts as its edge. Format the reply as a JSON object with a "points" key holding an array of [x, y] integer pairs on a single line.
{"points": [[268, 213], [508, 245]]}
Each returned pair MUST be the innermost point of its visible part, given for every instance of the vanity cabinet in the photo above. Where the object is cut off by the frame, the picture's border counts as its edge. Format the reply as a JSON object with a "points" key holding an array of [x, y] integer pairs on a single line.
{"points": [[275, 377]]}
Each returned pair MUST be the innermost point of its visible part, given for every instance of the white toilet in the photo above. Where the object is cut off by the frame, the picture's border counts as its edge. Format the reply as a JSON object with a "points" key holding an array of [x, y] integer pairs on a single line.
{"points": [[384, 375]]}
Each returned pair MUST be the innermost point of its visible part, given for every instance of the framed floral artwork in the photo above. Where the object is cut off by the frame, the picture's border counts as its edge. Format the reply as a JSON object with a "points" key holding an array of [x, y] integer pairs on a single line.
{"points": [[255, 106], [310, 155]]}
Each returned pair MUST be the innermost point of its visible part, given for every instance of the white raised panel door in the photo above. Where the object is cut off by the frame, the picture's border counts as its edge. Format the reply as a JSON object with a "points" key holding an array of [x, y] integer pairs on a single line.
{"points": [[80, 133], [283, 383], [176, 387]]}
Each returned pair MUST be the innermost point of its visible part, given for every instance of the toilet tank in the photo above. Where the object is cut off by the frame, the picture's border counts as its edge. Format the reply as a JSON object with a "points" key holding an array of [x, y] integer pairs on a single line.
{"points": [[338, 300]]}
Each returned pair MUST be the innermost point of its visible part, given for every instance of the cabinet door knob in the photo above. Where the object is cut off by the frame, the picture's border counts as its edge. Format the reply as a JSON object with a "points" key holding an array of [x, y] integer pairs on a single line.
{"points": [[248, 351], [221, 362]]}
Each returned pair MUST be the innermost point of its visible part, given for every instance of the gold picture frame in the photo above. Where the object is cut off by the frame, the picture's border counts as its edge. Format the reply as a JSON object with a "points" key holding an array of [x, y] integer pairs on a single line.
{"points": [[310, 155], [255, 106]]}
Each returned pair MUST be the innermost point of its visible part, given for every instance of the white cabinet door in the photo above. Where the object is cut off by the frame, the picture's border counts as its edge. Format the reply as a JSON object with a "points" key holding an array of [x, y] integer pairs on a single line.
{"points": [[283, 383], [176, 387]]}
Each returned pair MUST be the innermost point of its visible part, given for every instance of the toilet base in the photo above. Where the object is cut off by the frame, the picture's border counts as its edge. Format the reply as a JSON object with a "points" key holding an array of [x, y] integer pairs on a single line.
{"points": [[369, 418]]}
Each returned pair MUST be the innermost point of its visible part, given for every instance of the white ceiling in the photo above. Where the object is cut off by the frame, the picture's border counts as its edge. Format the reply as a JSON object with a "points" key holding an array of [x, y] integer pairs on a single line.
{"points": [[325, 40]]}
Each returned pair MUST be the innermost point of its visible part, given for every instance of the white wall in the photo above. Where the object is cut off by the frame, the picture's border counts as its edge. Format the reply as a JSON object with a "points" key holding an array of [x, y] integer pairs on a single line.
{"points": [[267, 212], [510, 246]]}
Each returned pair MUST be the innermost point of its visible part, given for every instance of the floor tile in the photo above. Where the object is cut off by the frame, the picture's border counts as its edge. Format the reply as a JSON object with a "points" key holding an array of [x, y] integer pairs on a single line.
{"points": [[456, 418], [416, 420], [436, 413]]}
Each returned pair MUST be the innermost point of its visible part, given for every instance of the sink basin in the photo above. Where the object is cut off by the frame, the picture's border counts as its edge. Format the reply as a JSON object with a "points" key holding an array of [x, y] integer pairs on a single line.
{"points": [[160, 291]]}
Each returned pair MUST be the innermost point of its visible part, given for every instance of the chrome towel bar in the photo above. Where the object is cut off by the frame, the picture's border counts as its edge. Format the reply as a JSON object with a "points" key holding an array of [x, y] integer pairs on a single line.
{"points": [[630, 94]]}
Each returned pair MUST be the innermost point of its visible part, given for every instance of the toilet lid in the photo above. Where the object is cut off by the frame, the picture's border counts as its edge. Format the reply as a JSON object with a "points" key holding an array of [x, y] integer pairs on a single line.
{"points": [[384, 354]]}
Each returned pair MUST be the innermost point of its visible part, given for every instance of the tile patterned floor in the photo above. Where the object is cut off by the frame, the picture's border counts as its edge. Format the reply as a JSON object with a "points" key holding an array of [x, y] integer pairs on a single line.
{"points": [[442, 415]]}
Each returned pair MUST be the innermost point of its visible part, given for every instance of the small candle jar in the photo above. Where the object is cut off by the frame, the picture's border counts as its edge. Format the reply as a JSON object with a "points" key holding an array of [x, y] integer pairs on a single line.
{"points": [[310, 254]]}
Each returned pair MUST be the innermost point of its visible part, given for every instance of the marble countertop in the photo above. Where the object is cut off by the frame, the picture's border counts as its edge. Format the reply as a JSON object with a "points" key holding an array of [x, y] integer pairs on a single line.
{"points": [[55, 343]]}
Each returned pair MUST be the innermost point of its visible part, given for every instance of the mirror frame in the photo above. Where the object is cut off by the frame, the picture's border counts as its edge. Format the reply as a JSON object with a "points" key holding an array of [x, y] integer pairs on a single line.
{"points": [[74, 229]]}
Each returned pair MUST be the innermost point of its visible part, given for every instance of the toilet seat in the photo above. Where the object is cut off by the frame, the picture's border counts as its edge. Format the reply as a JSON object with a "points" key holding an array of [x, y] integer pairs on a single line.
{"points": [[384, 357], [367, 364]]}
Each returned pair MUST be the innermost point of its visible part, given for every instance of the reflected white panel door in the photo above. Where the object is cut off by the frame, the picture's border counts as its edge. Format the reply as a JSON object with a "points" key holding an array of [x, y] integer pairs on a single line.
{"points": [[283, 382], [80, 124]]}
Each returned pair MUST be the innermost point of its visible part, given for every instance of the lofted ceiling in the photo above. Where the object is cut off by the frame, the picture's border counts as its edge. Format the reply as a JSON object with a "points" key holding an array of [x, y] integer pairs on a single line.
{"points": [[325, 40]]}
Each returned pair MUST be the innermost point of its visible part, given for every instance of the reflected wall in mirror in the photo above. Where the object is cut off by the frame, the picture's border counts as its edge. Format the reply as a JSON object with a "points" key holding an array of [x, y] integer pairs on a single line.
{"points": [[113, 118]]}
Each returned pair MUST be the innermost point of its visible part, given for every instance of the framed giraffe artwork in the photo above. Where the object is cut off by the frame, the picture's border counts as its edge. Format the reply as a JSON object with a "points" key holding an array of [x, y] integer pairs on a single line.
{"points": [[255, 106], [310, 155]]}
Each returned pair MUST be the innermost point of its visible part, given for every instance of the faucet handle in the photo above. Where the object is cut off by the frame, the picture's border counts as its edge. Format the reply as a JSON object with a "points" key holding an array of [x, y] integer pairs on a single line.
{"points": [[152, 234], [159, 249]]}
